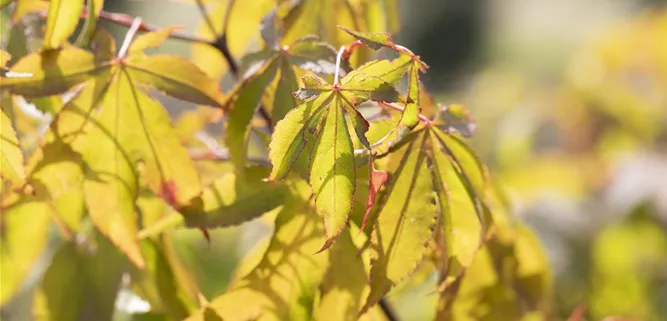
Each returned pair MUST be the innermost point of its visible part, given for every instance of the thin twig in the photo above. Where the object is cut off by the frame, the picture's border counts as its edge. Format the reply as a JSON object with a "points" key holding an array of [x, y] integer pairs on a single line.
{"points": [[221, 41], [128, 37], [387, 310]]}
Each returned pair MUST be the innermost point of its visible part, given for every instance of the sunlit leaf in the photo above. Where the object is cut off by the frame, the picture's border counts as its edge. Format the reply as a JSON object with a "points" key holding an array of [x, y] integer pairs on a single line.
{"points": [[62, 20], [233, 199], [11, 156], [150, 40], [23, 237], [332, 172], [97, 267], [176, 77], [374, 40], [342, 288], [282, 286], [376, 179], [405, 219], [53, 72]]}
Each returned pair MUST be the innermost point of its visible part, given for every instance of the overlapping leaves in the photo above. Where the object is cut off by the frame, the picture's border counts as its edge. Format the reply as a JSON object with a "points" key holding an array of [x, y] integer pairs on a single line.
{"points": [[118, 135]]}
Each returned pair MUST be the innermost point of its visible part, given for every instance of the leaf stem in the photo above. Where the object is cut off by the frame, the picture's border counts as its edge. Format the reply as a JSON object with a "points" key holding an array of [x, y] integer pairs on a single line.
{"points": [[338, 59], [128, 37], [394, 106]]}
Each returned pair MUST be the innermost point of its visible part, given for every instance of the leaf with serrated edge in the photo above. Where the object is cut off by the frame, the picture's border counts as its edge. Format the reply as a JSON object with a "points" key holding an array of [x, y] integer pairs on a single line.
{"points": [[405, 221], [312, 86], [359, 123], [375, 40], [234, 199], [373, 88], [63, 18], [11, 156], [332, 173], [150, 40], [289, 139], [342, 288], [410, 117], [241, 111], [458, 210], [176, 77], [390, 71], [282, 285], [25, 233], [53, 72]]}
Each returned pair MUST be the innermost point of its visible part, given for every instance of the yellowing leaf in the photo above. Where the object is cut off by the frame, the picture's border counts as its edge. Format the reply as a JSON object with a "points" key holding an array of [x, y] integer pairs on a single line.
{"points": [[52, 72], [342, 287], [176, 77], [24, 235], [62, 20], [11, 156], [282, 286], [96, 266], [234, 199], [332, 173], [405, 219], [150, 40]]}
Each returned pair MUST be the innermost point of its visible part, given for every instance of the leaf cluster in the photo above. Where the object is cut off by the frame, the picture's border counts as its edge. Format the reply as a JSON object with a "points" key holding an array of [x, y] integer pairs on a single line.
{"points": [[318, 142]]}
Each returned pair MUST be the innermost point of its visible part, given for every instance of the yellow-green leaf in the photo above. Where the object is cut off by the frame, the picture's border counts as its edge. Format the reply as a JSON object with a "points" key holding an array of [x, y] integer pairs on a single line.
{"points": [[375, 40], [176, 77], [313, 55], [62, 20], [389, 71], [150, 40], [283, 100], [290, 135], [282, 286], [93, 9], [11, 156], [405, 219], [24, 236], [332, 172], [52, 72], [233, 199], [246, 98], [343, 287], [312, 86]]}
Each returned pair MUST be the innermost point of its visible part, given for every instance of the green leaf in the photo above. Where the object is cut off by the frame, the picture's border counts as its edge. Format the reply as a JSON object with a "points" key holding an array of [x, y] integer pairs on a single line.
{"points": [[176, 77], [53, 72], [97, 268], [375, 40], [282, 285], [290, 135], [405, 219], [283, 99], [359, 123], [410, 116], [24, 235], [11, 156], [62, 20], [246, 98], [332, 173], [233, 199], [370, 87], [342, 288], [158, 285]]}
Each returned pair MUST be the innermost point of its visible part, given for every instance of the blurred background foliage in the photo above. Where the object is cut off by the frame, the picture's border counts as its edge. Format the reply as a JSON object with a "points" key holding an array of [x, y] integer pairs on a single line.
{"points": [[571, 100]]}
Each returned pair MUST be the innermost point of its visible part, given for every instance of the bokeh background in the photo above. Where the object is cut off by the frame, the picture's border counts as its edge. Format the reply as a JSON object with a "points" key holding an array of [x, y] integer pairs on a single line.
{"points": [[571, 101]]}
